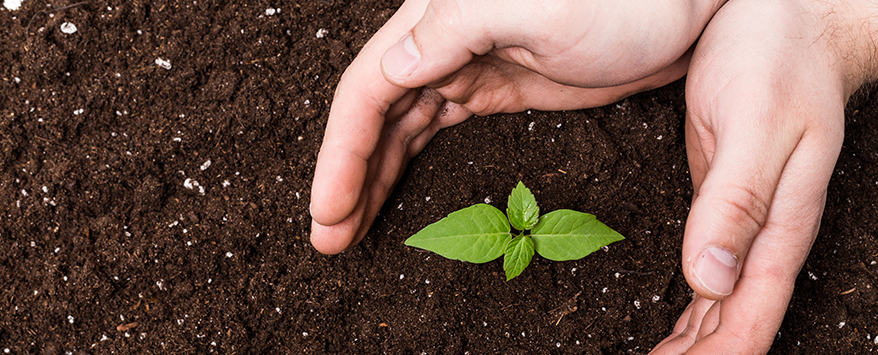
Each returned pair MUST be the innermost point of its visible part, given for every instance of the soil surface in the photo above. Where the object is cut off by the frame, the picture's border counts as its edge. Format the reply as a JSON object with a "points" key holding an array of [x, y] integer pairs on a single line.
{"points": [[155, 172]]}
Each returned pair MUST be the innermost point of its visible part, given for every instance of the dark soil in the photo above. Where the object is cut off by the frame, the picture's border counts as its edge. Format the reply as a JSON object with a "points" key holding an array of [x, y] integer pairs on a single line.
{"points": [[104, 248]]}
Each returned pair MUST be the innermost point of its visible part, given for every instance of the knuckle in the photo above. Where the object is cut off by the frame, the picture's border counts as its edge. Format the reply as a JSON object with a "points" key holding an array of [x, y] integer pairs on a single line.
{"points": [[744, 207], [501, 98]]}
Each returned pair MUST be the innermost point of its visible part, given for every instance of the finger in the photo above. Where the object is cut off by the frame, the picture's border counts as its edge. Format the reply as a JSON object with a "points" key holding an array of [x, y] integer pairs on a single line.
{"points": [[751, 316], [411, 143], [490, 85], [386, 181], [356, 119], [442, 42], [336, 238], [385, 167], [709, 321], [686, 328]]}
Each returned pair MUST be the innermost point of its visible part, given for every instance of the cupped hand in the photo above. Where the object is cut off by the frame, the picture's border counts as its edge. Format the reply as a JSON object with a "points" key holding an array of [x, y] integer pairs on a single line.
{"points": [[435, 63], [765, 93]]}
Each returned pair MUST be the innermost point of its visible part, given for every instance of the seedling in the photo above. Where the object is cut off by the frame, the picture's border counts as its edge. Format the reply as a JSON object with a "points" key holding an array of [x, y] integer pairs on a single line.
{"points": [[481, 233]]}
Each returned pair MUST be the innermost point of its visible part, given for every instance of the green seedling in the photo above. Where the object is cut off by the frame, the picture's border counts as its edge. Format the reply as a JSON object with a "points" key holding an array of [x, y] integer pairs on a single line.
{"points": [[481, 233]]}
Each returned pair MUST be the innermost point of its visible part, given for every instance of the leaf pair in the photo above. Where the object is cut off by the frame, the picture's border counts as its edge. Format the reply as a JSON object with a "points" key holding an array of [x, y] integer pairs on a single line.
{"points": [[481, 233]]}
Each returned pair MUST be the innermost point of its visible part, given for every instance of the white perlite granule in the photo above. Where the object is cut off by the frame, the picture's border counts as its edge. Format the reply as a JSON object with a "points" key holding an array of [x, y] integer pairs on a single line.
{"points": [[163, 63], [12, 5], [68, 28]]}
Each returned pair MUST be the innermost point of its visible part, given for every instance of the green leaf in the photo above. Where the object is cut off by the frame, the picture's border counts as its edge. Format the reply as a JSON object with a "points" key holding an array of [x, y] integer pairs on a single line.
{"points": [[519, 252], [477, 234], [569, 235], [522, 208]]}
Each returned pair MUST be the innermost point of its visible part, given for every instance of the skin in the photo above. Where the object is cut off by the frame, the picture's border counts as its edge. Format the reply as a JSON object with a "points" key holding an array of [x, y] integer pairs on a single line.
{"points": [[763, 133], [766, 88]]}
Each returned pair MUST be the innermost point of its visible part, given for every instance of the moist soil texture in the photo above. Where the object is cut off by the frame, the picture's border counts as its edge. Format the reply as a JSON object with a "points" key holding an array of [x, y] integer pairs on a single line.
{"points": [[155, 175]]}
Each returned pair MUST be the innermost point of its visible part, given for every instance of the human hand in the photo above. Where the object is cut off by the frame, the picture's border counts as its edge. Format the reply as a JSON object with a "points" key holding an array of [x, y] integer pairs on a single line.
{"points": [[481, 57], [765, 93]]}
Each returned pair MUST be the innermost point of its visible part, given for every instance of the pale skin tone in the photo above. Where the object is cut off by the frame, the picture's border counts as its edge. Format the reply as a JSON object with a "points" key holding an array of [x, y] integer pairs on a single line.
{"points": [[766, 88]]}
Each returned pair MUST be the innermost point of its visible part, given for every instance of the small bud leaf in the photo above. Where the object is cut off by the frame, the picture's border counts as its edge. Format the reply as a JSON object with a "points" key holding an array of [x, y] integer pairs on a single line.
{"points": [[519, 253], [522, 208]]}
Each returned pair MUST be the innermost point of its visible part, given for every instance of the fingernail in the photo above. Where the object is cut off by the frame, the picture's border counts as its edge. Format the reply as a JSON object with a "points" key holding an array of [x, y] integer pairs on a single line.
{"points": [[402, 58], [717, 270]]}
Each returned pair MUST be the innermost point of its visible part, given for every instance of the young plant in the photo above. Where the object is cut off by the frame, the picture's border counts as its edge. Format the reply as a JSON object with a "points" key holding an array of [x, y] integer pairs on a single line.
{"points": [[481, 233]]}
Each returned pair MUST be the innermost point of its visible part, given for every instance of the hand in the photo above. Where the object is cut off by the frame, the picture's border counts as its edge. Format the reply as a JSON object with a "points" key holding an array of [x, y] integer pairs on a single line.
{"points": [[766, 91], [456, 59]]}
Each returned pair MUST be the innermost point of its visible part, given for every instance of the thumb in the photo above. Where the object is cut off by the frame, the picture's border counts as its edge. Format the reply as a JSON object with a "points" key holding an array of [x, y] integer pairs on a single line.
{"points": [[736, 168], [441, 43]]}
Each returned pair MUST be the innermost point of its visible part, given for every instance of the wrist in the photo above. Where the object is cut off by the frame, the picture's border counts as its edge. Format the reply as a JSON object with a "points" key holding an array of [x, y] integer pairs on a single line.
{"points": [[851, 28], [869, 34]]}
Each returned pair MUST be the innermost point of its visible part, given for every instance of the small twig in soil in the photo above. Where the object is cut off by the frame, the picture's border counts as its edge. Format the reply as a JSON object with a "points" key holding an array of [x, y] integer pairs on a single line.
{"points": [[568, 307], [27, 29], [638, 273], [848, 291], [511, 305], [862, 265], [261, 59], [125, 327]]}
